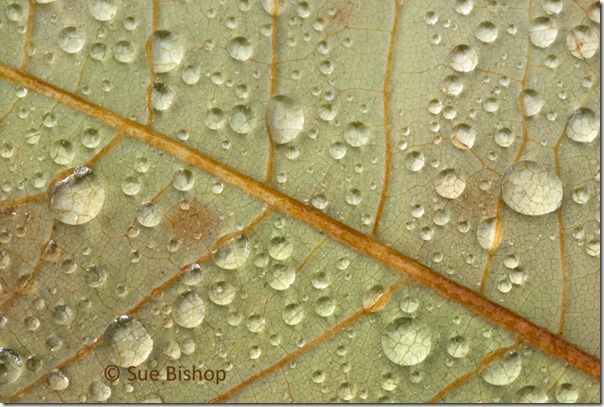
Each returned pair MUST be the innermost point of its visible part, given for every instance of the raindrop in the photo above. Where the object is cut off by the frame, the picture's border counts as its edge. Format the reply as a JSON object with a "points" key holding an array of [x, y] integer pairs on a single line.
{"points": [[128, 342], [281, 276], [504, 371], [285, 118], [583, 42], [189, 310], [234, 254], [356, 134], [449, 184], [168, 51], [463, 58], [240, 49], [531, 189], [71, 40], [102, 10], [543, 32], [407, 341], [583, 126], [10, 366], [77, 199]]}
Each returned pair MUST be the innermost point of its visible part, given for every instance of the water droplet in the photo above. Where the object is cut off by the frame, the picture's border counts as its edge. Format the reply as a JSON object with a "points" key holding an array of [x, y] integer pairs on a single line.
{"points": [[356, 134], [503, 371], [530, 102], [90, 138], [255, 323], [463, 136], [464, 7], [458, 347], [222, 293], [504, 137], [57, 380], [532, 394], [346, 391], [131, 186], [183, 180], [77, 199], [149, 215], [123, 51], [285, 118], [449, 184], [531, 189], [293, 314], [567, 393], [583, 126], [128, 342], [10, 366], [168, 51], [414, 161], [325, 306], [281, 276], [71, 40], [486, 233], [242, 119], [552, 7], [102, 10], [543, 32], [280, 248], [337, 150], [234, 254], [162, 96], [189, 310], [99, 391], [62, 152], [581, 195], [240, 49], [583, 42], [407, 341], [215, 119], [463, 58], [487, 32]]}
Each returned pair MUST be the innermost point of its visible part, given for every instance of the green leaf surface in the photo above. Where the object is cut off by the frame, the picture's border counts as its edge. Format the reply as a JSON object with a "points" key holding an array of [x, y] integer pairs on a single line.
{"points": [[306, 201]]}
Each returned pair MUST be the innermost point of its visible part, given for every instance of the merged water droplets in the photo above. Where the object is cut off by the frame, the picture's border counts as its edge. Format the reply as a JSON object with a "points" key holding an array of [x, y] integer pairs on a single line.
{"points": [[531, 189], [503, 371], [128, 342], [463, 58], [285, 118], [188, 310], [10, 366], [583, 126], [77, 199], [407, 341], [234, 254], [168, 51]]}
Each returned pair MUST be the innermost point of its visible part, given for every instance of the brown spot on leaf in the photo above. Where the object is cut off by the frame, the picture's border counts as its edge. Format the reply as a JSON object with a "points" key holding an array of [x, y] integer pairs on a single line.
{"points": [[191, 221]]}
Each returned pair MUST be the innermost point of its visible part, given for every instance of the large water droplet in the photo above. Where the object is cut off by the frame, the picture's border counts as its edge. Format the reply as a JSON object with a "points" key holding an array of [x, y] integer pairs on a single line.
{"points": [[78, 199], [168, 51], [285, 118], [407, 341], [531, 189], [128, 342], [503, 371], [189, 310]]}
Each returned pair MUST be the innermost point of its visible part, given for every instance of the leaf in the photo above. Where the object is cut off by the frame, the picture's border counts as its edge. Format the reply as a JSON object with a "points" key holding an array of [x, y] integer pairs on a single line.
{"points": [[335, 201]]}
